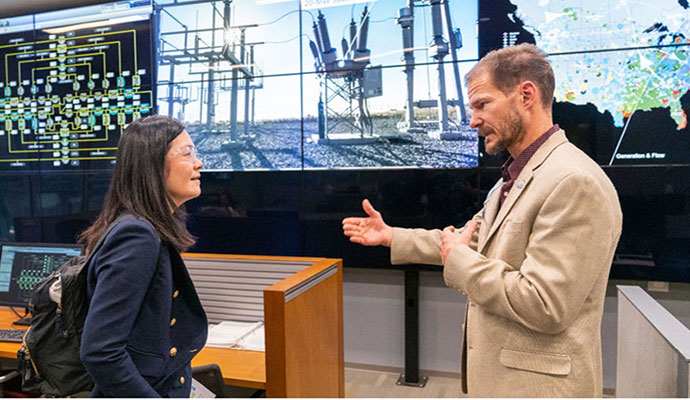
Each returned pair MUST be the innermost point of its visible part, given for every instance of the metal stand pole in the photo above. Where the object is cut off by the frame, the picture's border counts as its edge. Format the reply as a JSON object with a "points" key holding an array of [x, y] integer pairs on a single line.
{"points": [[460, 106], [210, 100], [411, 375], [406, 22], [171, 90]]}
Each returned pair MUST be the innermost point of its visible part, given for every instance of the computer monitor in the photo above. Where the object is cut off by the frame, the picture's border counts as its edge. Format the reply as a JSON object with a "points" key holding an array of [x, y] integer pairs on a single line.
{"points": [[23, 265]]}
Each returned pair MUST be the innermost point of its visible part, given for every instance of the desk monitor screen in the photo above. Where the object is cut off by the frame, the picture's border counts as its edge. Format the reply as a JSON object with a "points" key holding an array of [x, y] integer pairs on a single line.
{"points": [[23, 265]]}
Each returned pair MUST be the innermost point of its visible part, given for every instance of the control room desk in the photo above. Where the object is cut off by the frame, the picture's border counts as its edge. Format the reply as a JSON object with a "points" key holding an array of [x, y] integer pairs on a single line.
{"points": [[240, 367], [300, 301]]}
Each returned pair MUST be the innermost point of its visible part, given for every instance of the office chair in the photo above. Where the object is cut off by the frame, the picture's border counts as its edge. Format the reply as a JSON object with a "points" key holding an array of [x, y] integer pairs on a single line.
{"points": [[210, 376], [8, 376]]}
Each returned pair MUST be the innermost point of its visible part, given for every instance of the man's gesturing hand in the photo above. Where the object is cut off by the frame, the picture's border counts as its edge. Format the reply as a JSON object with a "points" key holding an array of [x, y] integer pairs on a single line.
{"points": [[451, 239], [370, 231]]}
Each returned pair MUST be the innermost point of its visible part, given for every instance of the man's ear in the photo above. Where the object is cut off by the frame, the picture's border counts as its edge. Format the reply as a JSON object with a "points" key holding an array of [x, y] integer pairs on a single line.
{"points": [[529, 94]]}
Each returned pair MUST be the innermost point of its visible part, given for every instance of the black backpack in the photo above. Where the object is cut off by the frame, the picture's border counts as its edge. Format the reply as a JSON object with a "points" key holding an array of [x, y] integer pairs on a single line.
{"points": [[49, 357]]}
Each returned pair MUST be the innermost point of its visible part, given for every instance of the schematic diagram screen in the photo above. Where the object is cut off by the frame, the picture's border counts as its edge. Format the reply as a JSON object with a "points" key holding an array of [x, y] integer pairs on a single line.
{"points": [[22, 266], [68, 91]]}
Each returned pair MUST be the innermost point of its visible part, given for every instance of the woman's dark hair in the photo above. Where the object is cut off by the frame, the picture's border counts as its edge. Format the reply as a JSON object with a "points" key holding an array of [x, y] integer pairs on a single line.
{"points": [[138, 183]]}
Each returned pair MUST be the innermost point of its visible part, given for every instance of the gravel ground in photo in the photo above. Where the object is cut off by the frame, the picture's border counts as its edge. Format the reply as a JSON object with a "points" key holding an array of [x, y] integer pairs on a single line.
{"points": [[277, 145]]}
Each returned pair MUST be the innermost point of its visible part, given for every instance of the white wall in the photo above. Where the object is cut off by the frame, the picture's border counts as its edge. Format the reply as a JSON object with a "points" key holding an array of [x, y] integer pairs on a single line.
{"points": [[374, 320]]}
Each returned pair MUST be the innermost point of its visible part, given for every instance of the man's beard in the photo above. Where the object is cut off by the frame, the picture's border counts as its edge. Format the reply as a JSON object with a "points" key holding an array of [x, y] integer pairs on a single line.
{"points": [[511, 131]]}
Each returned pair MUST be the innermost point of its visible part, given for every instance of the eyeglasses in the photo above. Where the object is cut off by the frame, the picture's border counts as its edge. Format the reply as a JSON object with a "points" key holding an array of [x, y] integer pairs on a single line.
{"points": [[188, 153]]}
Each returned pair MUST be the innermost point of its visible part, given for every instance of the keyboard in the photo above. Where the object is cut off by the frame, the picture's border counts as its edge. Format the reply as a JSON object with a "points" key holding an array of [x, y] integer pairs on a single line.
{"points": [[12, 335]]}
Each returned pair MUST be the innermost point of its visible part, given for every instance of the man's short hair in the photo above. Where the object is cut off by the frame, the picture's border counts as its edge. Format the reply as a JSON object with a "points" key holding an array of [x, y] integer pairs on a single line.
{"points": [[512, 65]]}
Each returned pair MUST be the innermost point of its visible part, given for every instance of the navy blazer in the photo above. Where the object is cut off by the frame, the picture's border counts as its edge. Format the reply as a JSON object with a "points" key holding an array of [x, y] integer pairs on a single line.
{"points": [[145, 322]]}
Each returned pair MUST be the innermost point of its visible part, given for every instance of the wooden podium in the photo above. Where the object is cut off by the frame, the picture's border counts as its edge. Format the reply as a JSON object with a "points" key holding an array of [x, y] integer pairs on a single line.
{"points": [[300, 301]]}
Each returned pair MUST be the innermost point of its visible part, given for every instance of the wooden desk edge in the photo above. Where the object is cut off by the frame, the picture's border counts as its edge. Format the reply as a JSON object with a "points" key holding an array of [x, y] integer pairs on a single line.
{"points": [[245, 383], [6, 349], [291, 281]]}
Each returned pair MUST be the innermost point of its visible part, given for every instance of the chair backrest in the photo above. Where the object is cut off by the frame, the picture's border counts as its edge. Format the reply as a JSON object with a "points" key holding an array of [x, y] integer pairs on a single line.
{"points": [[211, 377]]}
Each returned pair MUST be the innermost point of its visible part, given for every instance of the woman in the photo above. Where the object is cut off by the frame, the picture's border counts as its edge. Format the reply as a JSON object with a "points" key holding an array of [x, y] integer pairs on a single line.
{"points": [[145, 322]]}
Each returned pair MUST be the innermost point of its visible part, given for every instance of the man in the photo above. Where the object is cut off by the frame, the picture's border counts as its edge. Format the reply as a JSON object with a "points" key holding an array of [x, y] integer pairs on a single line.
{"points": [[534, 262]]}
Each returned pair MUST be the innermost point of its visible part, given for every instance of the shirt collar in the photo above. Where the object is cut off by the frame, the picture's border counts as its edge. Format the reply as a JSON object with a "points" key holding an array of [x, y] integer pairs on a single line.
{"points": [[513, 166]]}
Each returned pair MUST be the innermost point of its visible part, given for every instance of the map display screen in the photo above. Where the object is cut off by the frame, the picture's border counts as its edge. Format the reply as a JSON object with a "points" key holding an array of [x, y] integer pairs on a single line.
{"points": [[622, 71]]}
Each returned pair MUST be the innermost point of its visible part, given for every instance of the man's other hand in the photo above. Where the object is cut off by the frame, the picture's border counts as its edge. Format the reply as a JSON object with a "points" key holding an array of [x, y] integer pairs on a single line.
{"points": [[450, 239]]}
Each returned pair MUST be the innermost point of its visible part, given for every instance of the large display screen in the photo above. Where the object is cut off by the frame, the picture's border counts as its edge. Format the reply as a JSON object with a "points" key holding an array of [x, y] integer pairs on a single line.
{"points": [[622, 71], [70, 82], [268, 85]]}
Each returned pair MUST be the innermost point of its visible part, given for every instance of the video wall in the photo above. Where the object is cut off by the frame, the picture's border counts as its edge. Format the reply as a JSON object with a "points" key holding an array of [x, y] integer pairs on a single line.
{"points": [[287, 86], [295, 130]]}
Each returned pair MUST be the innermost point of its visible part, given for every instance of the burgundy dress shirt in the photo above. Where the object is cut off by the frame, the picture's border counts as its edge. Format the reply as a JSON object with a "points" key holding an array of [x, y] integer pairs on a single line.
{"points": [[513, 166]]}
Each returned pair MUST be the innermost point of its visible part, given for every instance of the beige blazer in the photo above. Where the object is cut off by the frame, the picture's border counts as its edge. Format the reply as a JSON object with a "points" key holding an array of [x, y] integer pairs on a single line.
{"points": [[535, 277]]}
